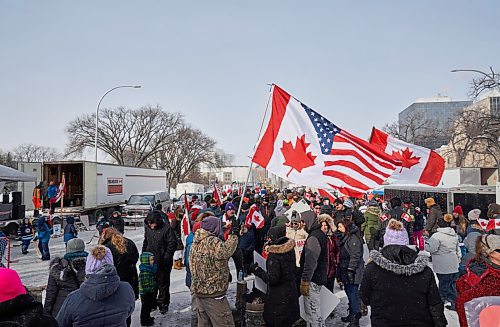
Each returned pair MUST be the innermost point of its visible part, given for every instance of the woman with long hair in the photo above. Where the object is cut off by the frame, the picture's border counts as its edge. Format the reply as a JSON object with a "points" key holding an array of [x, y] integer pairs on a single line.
{"points": [[478, 291], [351, 267], [125, 257]]}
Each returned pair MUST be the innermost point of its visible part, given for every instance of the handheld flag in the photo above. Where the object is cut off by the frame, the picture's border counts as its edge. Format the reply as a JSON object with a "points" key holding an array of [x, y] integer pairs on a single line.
{"points": [[254, 217]]}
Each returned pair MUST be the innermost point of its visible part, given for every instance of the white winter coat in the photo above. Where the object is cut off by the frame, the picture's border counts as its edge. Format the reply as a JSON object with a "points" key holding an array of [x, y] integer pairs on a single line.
{"points": [[444, 249]]}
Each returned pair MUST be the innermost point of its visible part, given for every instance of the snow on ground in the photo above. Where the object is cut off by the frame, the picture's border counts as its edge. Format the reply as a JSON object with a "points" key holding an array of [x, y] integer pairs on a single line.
{"points": [[34, 272]]}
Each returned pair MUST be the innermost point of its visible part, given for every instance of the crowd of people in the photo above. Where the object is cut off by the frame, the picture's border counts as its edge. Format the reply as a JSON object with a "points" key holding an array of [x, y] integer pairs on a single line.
{"points": [[305, 250]]}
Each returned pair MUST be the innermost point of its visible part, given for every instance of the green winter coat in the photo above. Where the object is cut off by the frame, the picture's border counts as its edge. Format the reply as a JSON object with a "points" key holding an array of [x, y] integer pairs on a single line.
{"points": [[371, 226]]}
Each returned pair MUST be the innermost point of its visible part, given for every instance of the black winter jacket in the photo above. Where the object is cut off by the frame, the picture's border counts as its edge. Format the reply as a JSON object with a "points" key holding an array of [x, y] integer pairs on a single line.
{"points": [[401, 289], [161, 241], [65, 275], [314, 257], [24, 311], [117, 223], [125, 263], [351, 256], [282, 302], [340, 215]]}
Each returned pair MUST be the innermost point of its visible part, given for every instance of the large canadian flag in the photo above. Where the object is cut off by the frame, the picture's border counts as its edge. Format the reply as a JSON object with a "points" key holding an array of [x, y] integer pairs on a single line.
{"points": [[306, 148], [418, 164]]}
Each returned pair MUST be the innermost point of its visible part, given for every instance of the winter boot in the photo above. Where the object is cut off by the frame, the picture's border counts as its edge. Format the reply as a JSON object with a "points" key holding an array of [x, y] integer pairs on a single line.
{"points": [[346, 318], [177, 265], [354, 321], [150, 322], [164, 309]]}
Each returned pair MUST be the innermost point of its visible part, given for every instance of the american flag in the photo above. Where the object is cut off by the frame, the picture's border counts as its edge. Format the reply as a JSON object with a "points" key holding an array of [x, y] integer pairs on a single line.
{"points": [[348, 158], [60, 191]]}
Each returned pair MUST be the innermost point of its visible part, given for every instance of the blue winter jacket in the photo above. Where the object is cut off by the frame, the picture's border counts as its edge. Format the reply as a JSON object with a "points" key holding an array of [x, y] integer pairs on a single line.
{"points": [[189, 242], [102, 300], [44, 231]]}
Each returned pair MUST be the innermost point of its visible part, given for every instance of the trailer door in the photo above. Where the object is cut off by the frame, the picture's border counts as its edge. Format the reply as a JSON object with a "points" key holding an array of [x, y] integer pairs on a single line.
{"points": [[90, 185], [32, 169]]}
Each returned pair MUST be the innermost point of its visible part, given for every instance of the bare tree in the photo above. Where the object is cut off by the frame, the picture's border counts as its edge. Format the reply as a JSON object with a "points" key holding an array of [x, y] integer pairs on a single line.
{"points": [[6, 159], [29, 152], [484, 82], [416, 128], [184, 155], [129, 136], [476, 132]]}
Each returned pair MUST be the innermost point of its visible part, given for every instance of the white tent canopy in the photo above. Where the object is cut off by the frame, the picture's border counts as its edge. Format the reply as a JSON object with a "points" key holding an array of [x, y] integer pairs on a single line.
{"points": [[8, 174]]}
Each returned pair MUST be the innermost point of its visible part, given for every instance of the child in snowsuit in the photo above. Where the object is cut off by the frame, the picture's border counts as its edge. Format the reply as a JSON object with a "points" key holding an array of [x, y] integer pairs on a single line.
{"points": [[147, 287], [43, 236], [26, 233], [70, 230]]}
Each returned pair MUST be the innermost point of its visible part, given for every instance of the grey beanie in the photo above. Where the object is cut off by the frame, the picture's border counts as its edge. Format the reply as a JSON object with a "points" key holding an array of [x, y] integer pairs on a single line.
{"points": [[75, 245]]}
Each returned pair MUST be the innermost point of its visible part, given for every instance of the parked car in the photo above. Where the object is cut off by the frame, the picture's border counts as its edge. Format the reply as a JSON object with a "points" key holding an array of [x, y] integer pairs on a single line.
{"points": [[138, 205], [180, 200]]}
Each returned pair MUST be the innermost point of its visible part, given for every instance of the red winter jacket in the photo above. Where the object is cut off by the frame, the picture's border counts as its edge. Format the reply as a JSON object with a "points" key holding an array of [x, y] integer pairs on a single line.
{"points": [[333, 255], [480, 281]]}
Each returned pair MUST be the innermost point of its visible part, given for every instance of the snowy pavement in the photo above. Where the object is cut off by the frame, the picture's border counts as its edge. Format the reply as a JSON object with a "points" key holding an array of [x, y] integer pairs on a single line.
{"points": [[34, 272]]}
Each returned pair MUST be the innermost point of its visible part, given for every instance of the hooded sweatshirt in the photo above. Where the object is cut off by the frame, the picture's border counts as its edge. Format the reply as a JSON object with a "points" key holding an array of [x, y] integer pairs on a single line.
{"points": [[102, 300], [446, 254]]}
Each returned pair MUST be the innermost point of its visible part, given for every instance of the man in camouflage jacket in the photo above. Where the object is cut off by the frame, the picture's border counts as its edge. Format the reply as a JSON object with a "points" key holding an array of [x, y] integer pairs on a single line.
{"points": [[208, 261]]}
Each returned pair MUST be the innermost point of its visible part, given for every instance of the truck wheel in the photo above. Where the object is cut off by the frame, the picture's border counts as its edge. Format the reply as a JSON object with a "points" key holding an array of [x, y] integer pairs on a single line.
{"points": [[11, 229]]}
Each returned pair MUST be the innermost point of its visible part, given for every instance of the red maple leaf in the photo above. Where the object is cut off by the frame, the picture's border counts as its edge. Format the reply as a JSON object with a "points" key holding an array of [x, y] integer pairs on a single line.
{"points": [[297, 158], [406, 158]]}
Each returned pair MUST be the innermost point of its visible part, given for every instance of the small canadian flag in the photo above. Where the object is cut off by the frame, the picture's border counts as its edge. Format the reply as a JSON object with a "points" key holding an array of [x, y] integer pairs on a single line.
{"points": [[384, 217], [490, 224], [254, 217]]}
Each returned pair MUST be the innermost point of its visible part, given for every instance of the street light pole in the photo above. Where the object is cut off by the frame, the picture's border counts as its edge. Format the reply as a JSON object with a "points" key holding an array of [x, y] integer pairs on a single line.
{"points": [[97, 111], [490, 77]]}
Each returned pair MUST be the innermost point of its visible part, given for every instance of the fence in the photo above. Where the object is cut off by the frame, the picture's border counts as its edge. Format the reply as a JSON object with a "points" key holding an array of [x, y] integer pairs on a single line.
{"points": [[5, 248]]}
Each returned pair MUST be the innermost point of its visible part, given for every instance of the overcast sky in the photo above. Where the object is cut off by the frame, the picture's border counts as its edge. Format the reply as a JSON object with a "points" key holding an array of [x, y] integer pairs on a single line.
{"points": [[357, 64]]}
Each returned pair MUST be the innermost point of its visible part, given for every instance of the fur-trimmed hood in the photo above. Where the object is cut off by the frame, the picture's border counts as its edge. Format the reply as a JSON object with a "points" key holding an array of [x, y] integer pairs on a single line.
{"points": [[411, 265], [281, 248], [328, 219], [63, 269]]}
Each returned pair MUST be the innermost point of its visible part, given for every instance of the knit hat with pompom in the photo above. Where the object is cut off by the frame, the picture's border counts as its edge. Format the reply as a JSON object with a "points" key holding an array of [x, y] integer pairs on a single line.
{"points": [[395, 234]]}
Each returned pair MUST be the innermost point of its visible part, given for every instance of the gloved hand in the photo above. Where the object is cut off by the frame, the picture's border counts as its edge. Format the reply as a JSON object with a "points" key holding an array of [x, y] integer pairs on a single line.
{"points": [[253, 267], [304, 288], [235, 227], [351, 274]]}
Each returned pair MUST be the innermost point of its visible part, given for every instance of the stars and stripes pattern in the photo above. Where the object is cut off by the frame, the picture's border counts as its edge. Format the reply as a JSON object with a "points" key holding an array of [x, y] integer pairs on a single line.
{"points": [[349, 160], [60, 191]]}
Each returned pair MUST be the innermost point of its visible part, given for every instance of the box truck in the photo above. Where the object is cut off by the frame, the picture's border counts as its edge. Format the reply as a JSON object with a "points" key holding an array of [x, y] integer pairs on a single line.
{"points": [[90, 186]]}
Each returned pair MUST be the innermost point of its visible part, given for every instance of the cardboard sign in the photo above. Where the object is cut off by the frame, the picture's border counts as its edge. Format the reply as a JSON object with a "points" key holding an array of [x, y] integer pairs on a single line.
{"points": [[259, 283], [300, 207], [328, 302], [56, 229]]}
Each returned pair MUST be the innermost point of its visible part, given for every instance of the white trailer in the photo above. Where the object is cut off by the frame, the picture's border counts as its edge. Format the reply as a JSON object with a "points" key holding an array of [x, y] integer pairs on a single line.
{"points": [[91, 186], [189, 187], [468, 196]]}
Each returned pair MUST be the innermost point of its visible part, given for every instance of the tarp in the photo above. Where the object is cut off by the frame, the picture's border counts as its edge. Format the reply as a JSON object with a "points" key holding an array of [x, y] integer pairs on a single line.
{"points": [[8, 174]]}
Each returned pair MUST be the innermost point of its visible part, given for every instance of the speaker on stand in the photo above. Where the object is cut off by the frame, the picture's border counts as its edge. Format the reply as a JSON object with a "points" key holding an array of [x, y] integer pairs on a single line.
{"points": [[17, 198]]}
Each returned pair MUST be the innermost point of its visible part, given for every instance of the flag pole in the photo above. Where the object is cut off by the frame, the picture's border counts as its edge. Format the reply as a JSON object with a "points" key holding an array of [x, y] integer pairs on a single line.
{"points": [[251, 162], [62, 196]]}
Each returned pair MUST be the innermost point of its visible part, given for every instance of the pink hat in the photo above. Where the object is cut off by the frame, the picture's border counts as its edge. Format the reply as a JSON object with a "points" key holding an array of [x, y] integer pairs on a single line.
{"points": [[10, 285]]}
